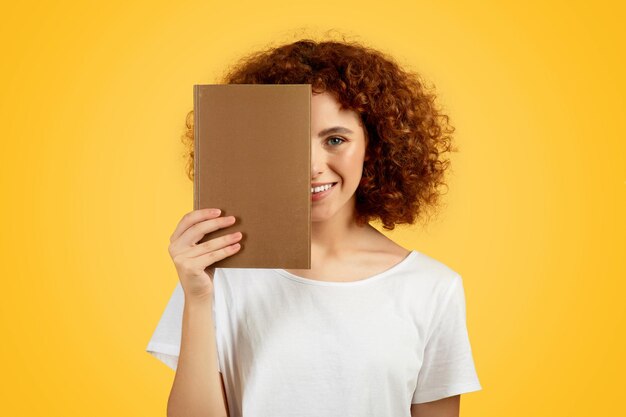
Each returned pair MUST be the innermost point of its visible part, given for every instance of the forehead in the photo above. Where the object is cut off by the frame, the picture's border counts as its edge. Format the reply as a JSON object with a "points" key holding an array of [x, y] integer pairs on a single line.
{"points": [[326, 110]]}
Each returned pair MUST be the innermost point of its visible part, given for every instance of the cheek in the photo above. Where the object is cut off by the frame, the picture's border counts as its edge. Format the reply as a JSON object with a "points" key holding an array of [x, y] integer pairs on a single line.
{"points": [[350, 166], [353, 157]]}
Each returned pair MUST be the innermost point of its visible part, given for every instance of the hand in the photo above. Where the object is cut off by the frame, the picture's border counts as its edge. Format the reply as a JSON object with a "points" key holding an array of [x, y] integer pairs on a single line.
{"points": [[192, 261]]}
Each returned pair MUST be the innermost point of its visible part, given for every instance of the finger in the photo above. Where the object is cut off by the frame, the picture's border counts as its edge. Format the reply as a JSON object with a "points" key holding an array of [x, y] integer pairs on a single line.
{"points": [[208, 259], [192, 218], [196, 232], [212, 245]]}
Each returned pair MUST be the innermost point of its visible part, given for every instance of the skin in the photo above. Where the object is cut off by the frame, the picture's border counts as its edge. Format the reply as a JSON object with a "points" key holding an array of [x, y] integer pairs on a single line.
{"points": [[445, 407], [341, 250]]}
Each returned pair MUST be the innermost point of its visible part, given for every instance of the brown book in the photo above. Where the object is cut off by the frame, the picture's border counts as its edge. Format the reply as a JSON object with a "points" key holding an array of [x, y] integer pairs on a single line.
{"points": [[252, 160]]}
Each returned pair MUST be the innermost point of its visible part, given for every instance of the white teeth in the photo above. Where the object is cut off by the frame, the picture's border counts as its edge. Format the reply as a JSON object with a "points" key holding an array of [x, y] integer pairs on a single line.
{"points": [[321, 188]]}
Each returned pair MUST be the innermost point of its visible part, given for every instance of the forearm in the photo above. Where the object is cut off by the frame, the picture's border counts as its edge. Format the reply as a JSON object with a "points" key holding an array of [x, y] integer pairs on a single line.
{"points": [[197, 387]]}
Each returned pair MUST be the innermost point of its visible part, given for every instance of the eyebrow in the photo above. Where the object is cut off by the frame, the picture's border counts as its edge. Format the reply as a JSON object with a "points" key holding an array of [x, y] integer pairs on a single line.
{"points": [[334, 129]]}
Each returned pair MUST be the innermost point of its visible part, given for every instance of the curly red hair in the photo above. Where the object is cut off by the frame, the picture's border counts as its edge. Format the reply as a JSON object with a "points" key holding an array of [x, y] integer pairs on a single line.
{"points": [[407, 134]]}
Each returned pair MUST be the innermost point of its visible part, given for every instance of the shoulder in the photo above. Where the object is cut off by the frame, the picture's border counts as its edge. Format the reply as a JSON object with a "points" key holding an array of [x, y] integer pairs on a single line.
{"points": [[424, 266], [425, 271], [376, 242], [436, 269], [432, 278]]}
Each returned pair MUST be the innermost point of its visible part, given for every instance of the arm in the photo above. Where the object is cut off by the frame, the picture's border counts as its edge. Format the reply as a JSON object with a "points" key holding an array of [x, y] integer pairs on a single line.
{"points": [[445, 407], [198, 389]]}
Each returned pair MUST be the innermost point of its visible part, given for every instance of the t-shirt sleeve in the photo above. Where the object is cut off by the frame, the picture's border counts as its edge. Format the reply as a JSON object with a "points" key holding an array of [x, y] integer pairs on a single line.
{"points": [[165, 342], [448, 366]]}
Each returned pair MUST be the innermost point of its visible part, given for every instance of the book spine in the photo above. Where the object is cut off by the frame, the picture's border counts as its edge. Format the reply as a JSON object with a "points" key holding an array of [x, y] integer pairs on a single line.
{"points": [[196, 144]]}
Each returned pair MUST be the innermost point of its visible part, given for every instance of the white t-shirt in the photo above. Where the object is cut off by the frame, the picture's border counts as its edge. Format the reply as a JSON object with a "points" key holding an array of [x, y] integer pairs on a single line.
{"points": [[298, 347]]}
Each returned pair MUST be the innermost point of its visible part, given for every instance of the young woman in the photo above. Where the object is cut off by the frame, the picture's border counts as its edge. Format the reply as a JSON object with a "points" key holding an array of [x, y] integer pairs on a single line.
{"points": [[372, 329]]}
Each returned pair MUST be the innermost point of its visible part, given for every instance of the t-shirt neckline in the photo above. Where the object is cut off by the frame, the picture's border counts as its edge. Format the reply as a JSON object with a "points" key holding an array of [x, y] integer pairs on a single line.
{"points": [[412, 254]]}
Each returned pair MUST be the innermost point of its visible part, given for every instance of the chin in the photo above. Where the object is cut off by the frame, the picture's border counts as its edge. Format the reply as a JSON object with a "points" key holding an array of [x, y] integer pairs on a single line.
{"points": [[321, 216], [318, 219]]}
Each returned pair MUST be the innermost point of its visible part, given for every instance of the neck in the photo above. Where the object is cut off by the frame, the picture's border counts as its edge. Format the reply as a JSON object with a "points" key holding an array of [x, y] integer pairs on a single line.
{"points": [[336, 236]]}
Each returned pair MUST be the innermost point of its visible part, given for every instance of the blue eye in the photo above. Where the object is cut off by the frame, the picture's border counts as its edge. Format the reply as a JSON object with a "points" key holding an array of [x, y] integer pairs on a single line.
{"points": [[337, 137]]}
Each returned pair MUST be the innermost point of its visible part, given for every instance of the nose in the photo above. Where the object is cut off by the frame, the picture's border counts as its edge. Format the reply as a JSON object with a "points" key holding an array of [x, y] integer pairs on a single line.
{"points": [[317, 160]]}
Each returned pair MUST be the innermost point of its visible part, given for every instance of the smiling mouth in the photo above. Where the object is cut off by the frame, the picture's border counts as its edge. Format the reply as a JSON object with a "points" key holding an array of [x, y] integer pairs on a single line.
{"points": [[332, 184]]}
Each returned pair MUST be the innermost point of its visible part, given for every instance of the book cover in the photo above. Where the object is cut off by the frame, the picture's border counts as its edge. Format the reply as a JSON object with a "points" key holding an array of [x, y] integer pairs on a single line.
{"points": [[252, 160]]}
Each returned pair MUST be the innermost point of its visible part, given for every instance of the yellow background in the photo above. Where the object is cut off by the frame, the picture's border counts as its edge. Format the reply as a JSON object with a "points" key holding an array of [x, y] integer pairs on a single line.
{"points": [[92, 106]]}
